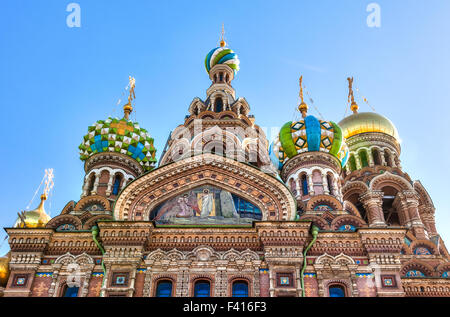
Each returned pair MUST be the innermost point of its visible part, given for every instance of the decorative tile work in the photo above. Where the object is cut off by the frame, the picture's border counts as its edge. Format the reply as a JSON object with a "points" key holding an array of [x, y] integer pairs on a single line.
{"points": [[264, 271], [20, 280], [44, 274], [141, 270], [364, 275], [347, 228], [388, 281], [97, 274], [119, 279], [310, 275], [285, 279], [415, 273], [422, 251]]}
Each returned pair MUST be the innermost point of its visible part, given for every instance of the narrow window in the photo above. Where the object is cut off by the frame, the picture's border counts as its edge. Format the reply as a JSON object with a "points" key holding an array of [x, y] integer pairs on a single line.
{"points": [[363, 156], [304, 185], [376, 157], [352, 163], [219, 105], [330, 184], [202, 289], [240, 289], [116, 186], [71, 292], [337, 291], [164, 289]]}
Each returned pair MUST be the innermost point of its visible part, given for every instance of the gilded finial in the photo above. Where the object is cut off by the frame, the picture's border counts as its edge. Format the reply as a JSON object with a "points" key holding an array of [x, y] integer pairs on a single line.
{"points": [[222, 41], [303, 108], [351, 98], [128, 108]]}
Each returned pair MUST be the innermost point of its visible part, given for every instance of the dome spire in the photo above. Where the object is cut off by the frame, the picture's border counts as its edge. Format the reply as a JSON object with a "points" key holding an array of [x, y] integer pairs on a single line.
{"points": [[303, 107], [353, 106], [222, 41], [128, 108]]}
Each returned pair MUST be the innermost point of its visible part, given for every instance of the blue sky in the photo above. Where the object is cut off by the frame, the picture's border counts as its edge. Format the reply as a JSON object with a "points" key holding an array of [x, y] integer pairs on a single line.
{"points": [[56, 80]]}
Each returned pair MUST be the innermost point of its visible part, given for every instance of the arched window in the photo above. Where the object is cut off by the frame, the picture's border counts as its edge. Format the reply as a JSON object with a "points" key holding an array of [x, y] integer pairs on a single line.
{"points": [[218, 105], [70, 291], [240, 289], [304, 185], [164, 289], [387, 157], [352, 163], [391, 214], [363, 157], [116, 186], [330, 184], [202, 289], [337, 291], [293, 186], [376, 157], [91, 183]]}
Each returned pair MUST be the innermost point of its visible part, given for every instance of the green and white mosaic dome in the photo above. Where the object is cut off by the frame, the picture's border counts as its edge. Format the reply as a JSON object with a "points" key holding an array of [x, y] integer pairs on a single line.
{"points": [[119, 136]]}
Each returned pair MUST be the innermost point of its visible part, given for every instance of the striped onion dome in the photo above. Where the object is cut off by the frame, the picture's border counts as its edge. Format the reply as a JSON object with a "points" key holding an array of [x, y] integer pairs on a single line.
{"points": [[120, 136], [308, 135], [222, 55]]}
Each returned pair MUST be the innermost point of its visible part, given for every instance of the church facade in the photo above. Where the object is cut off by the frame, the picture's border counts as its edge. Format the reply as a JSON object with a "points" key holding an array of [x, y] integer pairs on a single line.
{"points": [[325, 210]]}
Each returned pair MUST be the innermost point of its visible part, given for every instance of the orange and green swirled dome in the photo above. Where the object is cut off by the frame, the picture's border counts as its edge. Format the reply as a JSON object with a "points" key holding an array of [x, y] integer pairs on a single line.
{"points": [[308, 135]]}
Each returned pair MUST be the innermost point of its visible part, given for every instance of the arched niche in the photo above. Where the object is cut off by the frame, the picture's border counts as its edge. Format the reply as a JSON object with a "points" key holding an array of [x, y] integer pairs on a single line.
{"points": [[269, 194]]}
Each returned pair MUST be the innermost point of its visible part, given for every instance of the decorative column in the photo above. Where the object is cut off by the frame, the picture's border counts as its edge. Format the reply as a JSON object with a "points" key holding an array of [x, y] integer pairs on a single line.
{"points": [[297, 185], [310, 184], [97, 180], [358, 161], [56, 269], [372, 201], [326, 190], [411, 207], [110, 183], [382, 159], [428, 219], [370, 159]]}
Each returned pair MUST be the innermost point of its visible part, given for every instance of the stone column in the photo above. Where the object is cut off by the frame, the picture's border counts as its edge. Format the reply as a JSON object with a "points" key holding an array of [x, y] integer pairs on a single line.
{"points": [[51, 291], [97, 180], [326, 190], [110, 183], [382, 159], [297, 185], [370, 158], [372, 201], [310, 184], [358, 161]]}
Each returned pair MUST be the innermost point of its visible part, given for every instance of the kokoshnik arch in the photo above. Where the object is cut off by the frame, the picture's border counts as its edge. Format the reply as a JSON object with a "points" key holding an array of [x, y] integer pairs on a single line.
{"points": [[324, 210]]}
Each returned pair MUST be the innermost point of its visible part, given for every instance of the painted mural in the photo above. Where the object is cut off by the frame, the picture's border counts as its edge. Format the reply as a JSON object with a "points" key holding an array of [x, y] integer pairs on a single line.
{"points": [[206, 205]]}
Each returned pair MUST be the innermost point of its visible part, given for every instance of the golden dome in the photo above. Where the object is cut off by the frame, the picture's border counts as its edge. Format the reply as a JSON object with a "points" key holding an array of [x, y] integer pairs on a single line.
{"points": [[37, 218], [362, 122], [4, 271]]}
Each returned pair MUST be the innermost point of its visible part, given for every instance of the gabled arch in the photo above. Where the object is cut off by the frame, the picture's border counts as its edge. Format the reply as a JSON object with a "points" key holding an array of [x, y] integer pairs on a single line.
{"points": [[347, 219], [388, 179], [354, 187], [423, 194], [82, 203], [57, 221], [326, 199], [418, 265], [269, 194], [91, 221]]}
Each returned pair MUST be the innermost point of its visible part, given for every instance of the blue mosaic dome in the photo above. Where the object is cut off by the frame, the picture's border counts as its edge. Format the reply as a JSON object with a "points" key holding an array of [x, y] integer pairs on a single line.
{"points": [[308, 135]]}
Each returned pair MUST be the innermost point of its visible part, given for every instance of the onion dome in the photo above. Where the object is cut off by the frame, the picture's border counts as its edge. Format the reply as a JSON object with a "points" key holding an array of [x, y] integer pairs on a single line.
{"points": [[36, 218], [120, 136], [363, 122], [222, 55], [4, 270], [308, 135]]}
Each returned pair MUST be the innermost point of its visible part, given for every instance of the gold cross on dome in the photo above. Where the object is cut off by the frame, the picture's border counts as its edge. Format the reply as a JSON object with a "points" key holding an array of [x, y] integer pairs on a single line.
{"points": [[122, 127]]}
